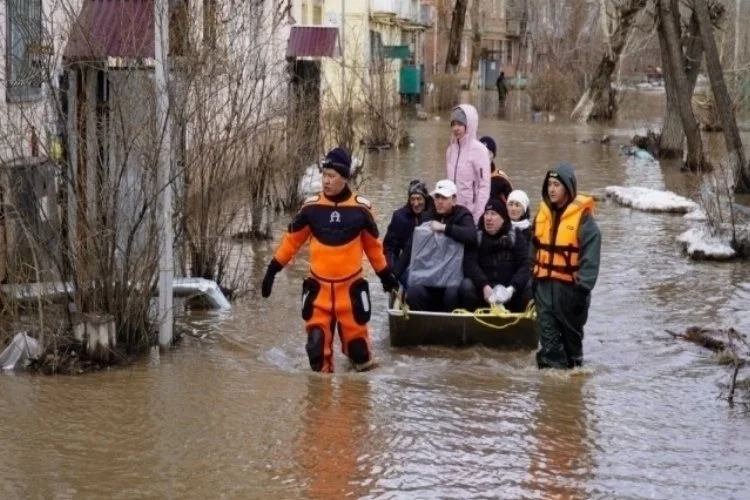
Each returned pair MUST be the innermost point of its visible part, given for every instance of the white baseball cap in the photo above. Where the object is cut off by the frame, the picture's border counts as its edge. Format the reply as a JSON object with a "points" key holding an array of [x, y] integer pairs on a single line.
{"points": [[445, 188]]}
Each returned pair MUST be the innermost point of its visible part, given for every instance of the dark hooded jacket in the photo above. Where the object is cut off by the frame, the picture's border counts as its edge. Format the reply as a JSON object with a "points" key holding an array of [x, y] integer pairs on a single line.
{"points": [[459, 225], [403, 222], [589, 235], [499, 259], [562, 307]]}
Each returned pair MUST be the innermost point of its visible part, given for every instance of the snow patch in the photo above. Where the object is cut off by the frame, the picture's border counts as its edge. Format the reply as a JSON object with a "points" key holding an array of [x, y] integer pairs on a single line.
{"points": [[698, 214], [650, 200], [312, 180], [700, 244]]}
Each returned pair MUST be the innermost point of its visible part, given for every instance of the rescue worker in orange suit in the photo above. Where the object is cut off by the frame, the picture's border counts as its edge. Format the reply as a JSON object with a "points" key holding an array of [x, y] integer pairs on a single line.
{"points": [[565, 250], [340, 227]]}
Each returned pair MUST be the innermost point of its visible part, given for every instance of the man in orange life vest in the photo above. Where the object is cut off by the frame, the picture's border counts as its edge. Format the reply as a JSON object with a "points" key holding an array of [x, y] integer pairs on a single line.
{"points": [[565, 250], [340, 227]]}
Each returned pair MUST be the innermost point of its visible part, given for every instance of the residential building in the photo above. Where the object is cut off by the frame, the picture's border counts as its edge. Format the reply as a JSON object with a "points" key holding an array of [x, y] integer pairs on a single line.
{"points": [[503, 27], [33, 37], [370, 32]]}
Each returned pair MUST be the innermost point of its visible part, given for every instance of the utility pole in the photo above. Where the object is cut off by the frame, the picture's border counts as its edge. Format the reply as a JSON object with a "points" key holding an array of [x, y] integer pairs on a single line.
{"points": [[163, 172], [343, 52]]}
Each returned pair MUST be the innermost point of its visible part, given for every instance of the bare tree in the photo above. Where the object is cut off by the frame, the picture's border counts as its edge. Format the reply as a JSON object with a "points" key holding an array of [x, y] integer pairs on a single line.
{"points": [[624, 19], [672, 135], [476, 42], [735, 151], [669, 22], [458, 19]]}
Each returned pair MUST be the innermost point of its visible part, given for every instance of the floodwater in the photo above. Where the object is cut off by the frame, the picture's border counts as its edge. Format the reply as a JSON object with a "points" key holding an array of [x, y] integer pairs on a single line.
{"points": [[237, 414]]}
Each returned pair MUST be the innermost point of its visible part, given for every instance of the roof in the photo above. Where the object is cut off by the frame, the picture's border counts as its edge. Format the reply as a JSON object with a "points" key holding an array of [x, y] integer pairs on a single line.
{"points": [[313, 41], [114, 28]]}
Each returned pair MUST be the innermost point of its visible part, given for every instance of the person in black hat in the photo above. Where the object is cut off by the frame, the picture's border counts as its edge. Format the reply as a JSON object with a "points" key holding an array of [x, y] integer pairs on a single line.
{"points": [[498, 269], [403, 222], [500, 185], [340, 227]]}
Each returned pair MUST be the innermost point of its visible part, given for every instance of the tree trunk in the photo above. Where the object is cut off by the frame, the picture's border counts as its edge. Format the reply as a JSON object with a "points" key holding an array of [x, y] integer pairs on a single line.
{"points": [[669, 19], [602, 81], [724, 104], [672, 136], [476, 43], [453, 58]]}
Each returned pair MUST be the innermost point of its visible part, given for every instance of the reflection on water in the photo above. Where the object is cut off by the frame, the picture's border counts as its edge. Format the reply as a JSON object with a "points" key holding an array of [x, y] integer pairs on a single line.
{"points": [[560, 457], [237, 414], [333, 447]]}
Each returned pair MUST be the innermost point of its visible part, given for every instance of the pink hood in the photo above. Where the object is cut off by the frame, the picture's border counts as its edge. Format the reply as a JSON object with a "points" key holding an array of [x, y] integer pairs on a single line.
{"points": [[467, 163]]}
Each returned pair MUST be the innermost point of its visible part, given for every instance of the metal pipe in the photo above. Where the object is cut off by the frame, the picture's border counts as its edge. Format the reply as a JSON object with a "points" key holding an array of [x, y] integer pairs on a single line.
{"points": [[163, 172]]}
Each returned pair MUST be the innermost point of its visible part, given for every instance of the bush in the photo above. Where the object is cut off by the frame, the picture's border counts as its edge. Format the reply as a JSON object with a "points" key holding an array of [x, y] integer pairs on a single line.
{"points": [[552, 91], [446, 91]]}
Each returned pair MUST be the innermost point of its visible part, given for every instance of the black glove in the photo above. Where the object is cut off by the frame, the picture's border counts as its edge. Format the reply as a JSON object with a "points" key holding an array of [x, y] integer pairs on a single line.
{"points": [[581, 300], [388, 279], [267, 285]]}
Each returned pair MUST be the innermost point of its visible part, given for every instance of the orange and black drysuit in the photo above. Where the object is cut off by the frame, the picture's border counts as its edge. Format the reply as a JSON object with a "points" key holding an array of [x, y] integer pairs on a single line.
{"points": [[335, 294]]}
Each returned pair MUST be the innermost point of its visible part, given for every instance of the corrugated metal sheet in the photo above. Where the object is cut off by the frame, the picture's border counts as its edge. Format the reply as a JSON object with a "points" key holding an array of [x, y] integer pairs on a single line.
{"points": [[313, 41], [113, 28]]}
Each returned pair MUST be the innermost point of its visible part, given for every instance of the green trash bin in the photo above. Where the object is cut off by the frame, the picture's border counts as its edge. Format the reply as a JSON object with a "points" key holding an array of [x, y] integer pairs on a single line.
{"points": [[410, 78]]}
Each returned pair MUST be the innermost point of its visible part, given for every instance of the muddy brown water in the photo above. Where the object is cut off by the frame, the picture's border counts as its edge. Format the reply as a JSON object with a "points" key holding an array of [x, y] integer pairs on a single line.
{"points": [[238, 415]]}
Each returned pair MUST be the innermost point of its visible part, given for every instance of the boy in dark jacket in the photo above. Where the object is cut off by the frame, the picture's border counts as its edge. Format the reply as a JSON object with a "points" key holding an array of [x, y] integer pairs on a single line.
{"points": [[497, 270], [457, 223], [500, 185], [403, 222]]}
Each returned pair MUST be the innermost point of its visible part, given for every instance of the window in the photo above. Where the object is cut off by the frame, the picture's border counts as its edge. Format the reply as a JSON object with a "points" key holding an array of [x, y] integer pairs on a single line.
{"points": [[376, 51], [317, 14], [304, 13], [24, 50], [509, 51], [179, 29]]}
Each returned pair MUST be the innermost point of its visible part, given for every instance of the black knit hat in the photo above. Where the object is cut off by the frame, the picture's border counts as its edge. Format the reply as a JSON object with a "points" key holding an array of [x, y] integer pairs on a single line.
{"points": [[338, 160], [497, 205], [489, 143], [418, 187]]}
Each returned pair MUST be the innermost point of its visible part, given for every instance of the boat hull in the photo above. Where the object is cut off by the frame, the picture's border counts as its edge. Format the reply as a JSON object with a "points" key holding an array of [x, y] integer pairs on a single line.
{"points": [[455, 330]]}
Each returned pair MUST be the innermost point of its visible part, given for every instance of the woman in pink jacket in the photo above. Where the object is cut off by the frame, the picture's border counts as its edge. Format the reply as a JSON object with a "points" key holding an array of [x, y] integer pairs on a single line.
{"points": [[467, 162]]}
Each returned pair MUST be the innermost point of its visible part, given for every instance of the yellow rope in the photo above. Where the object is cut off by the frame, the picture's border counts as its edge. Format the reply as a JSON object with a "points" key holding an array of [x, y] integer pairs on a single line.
{"points": [[399, 297], [494, 310], [499, 312]]}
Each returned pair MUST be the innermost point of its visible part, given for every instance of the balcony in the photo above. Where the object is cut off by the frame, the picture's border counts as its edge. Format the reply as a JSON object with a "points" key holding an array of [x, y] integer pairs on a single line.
{"points": [[427, 15], [384, 7], [512, 27]]}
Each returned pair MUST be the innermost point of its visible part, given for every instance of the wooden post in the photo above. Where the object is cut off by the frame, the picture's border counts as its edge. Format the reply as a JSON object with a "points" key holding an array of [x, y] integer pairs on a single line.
{"points": [[98, 334]]}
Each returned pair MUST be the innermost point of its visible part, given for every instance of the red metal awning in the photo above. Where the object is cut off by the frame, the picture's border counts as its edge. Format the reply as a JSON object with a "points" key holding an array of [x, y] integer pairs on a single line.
{"points": [[115, 28], [313, 41]]}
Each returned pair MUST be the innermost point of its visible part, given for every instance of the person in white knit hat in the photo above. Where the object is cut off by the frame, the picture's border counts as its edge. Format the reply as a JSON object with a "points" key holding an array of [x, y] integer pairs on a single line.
{"points": [[518, 210]]}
